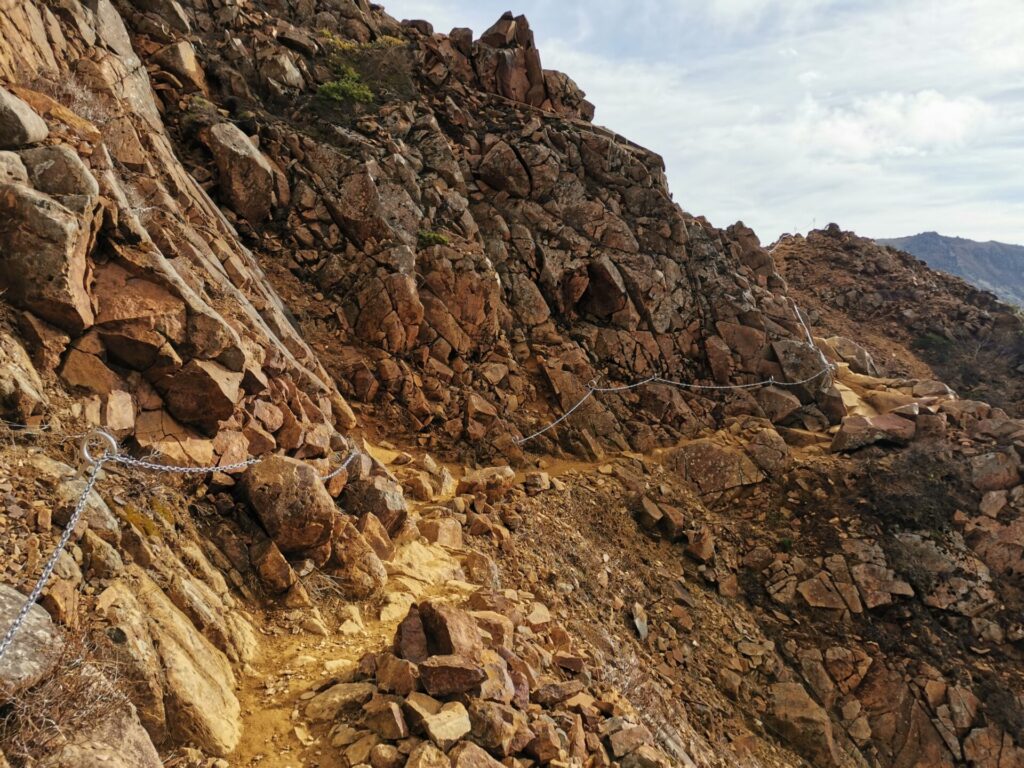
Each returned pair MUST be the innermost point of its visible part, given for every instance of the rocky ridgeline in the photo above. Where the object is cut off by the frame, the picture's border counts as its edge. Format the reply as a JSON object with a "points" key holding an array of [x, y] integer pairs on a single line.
{"points": [[233, 229], [886, 298]]}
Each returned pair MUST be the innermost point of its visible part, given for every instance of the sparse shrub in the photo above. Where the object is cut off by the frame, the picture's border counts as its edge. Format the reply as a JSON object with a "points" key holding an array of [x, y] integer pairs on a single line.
{"points": [[428, 238], [937, 347], [349, 87]]}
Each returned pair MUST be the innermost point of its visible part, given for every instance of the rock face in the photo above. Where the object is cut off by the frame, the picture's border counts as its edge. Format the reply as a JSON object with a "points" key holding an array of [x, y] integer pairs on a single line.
{"points": [[44, 263]]}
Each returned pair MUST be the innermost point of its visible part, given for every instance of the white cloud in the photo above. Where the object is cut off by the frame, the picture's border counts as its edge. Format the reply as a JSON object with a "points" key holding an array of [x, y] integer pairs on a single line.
{"points": [[891, 124]]}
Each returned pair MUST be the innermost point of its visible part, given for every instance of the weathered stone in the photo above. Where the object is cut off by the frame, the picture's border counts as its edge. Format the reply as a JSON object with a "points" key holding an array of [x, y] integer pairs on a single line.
{"points": [[338, 698], [43, 249], [502, 169], [354, 564], [246, 176], [202, 393], [289, 498], [271, 567], [714, 467], [801, 721], [450, 630], [36, 647], [384, 717], [395, 675], [469, 755], [487, 480], [447, 725], [995, 471], [411, 638], [450, 674], [859, 431], [19, 125], [426, 755], [380, 496], [58, 170]]}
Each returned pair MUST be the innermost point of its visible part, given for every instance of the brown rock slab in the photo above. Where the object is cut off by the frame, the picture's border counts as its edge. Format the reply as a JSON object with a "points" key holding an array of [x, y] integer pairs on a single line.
{"points": [[246, 176], [450, 674], [469, 755], [803, 723]]}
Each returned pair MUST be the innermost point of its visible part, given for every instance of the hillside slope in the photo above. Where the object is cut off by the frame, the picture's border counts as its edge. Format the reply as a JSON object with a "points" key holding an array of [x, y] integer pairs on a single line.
{"points": [[991, 266], [512, 461], [914, 320]]}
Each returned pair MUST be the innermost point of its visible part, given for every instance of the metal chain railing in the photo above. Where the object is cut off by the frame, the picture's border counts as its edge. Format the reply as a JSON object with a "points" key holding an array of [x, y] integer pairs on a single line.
{"points": [[827, 370], [100, 440]]}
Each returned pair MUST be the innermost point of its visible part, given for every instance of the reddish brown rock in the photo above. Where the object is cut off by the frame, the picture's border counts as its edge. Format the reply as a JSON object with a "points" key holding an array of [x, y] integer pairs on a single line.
{"points": [[411, 638], [380, 496], [289, 498], [995, 471], [450, 630], [395, 675], [859, 431], [714, 467], [246, 176], [488, 480], [803, 723], [447, 675], [271, 567], [353, 563], [469, 755]]}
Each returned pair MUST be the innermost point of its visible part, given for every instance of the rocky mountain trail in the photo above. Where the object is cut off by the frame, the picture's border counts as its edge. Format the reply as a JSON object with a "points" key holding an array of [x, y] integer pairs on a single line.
{"points": [[408, 274]]}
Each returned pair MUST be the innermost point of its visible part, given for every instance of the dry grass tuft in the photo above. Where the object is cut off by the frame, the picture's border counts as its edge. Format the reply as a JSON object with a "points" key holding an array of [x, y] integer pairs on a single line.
{"points": [[82, 691]]}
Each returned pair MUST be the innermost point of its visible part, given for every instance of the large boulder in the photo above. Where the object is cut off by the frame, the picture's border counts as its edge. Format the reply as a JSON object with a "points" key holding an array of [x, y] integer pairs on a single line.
{"points": [[246, 176], [19, 124], [59, 171], [43, 249], [290, 500]]}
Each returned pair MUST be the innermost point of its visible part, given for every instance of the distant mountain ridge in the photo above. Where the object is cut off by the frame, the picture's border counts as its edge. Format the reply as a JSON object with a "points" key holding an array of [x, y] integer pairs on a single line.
{"points": [[992, 266]]}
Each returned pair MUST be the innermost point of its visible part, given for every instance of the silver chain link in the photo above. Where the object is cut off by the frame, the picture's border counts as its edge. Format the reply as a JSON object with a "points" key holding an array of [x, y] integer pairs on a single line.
{"points": [[828, 370], [44, 577], [130, 461], [343, 467]]}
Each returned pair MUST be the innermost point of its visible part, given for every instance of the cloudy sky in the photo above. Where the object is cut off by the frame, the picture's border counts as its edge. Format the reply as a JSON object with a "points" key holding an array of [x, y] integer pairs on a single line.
{"points": [[889, 117]]}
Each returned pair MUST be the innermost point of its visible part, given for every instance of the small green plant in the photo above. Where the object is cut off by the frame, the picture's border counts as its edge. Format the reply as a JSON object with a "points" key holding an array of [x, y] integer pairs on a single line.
{"points": [[349, 86], [428, 238], [786, 544]]}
